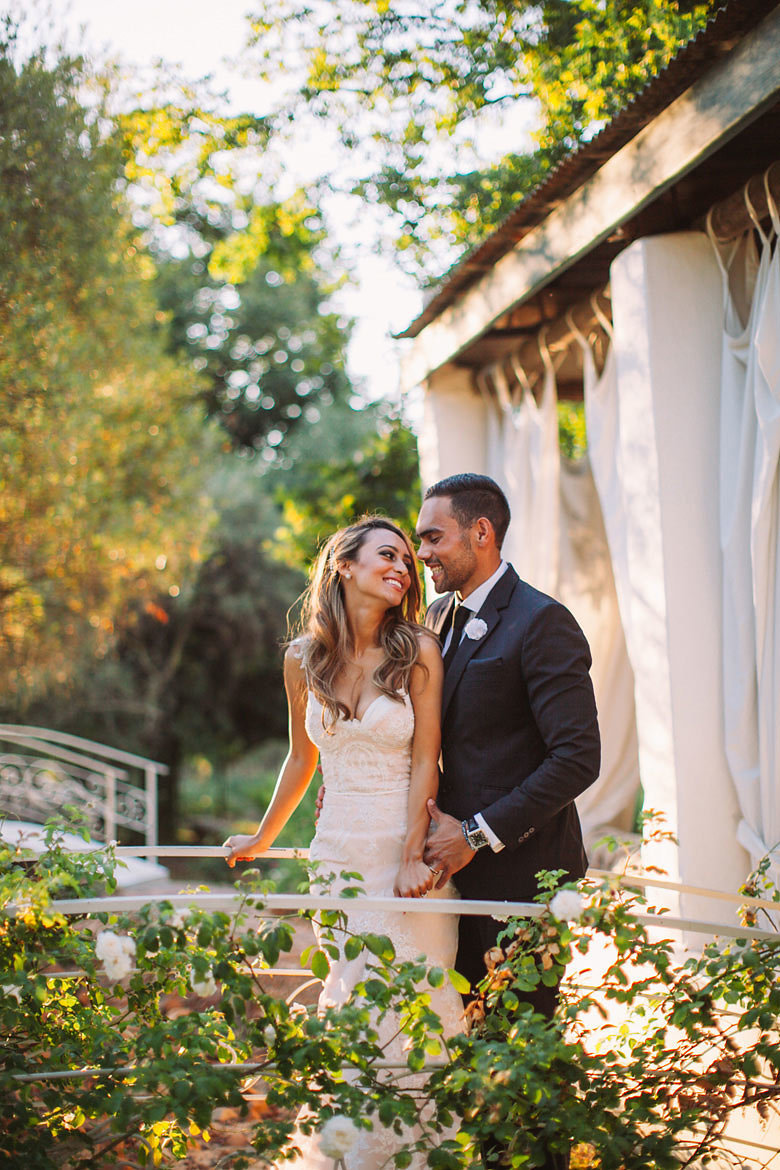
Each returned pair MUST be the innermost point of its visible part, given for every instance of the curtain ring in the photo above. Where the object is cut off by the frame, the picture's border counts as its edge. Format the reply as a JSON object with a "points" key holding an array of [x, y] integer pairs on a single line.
{"points": [[483, 386], [575, 329], [599, 313], [501, 387], [484, 380], [544, 350], [773, 209], [519, 372], [752, 212]]}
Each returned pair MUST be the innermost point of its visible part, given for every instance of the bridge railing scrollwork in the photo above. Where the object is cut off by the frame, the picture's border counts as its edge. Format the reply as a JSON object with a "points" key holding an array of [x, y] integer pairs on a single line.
{"points": [[42, 770]]}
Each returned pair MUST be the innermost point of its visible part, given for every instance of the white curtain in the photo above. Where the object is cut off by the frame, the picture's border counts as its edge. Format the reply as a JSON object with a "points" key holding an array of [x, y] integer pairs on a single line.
{"points": [[587, 587], [765, 551], [750, 448], [612, 799], [557, 542], [530, 475]]}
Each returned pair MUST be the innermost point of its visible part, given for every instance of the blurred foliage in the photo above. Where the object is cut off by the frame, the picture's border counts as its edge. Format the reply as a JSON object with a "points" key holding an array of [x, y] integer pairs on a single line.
{"points": [[243, 277], [572, 438], [410, 87], [352, 464], [181, 158], [199, 672], [218, 800], [102, 443], [250, 314], [148, 558]]}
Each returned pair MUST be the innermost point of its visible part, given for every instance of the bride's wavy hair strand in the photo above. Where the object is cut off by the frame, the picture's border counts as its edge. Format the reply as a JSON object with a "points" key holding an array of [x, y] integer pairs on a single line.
{"points": [[324, 629]]}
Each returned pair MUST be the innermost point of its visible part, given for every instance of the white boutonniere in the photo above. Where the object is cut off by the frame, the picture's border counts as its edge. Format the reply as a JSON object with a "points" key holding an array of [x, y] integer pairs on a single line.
{"points": [[475, 629]]}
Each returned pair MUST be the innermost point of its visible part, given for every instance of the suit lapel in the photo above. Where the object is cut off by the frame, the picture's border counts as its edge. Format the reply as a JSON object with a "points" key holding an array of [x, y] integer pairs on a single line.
{"points": [[490, 614], [439, 615]]}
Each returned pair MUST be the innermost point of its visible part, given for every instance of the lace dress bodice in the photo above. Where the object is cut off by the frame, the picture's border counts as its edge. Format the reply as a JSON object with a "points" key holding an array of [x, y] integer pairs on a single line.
{"points": [[365, 756]]}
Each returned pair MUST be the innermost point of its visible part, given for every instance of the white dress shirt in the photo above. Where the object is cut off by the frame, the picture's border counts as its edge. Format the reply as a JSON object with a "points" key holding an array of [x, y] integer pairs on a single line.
{"points": [[474, 602]]}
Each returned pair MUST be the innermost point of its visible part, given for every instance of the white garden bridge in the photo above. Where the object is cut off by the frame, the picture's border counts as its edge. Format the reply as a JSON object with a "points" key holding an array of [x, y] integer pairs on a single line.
{"points": [[752, 1145], [42, 771]]}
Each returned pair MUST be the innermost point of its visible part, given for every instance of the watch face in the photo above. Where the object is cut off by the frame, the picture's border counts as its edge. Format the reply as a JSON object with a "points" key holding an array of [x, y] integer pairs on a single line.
{"points": [[477, 838]]}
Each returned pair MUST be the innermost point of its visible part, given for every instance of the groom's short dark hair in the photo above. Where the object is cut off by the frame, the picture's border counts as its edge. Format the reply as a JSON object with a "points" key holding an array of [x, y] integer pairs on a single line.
{"points": [[472, 496]]}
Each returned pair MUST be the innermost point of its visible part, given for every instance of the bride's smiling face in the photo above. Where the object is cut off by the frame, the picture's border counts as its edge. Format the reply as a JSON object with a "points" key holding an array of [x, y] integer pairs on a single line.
{"points": [[382, 570]]}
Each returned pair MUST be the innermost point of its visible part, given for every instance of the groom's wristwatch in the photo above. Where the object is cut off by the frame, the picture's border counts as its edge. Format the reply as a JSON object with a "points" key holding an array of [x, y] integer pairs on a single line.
{"points": [[473, 834]]}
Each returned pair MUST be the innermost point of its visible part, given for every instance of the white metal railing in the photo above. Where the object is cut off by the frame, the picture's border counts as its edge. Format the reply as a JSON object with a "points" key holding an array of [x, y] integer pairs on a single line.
{"points": [[47, 769], [273, 904]]}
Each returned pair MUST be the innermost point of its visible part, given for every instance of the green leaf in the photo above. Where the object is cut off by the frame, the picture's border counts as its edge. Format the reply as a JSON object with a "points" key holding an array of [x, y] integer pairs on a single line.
{"points": [[436, 977], [381, 946], [320, 965], [353, 947], [458, 981]]}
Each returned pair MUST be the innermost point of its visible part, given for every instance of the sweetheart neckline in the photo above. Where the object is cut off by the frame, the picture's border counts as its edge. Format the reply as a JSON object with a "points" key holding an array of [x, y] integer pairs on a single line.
{"points": [[368, 708]]}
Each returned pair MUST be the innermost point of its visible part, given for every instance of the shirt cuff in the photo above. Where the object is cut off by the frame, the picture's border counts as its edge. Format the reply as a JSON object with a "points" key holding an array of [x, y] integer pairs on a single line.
{"points": [[496, 844]]}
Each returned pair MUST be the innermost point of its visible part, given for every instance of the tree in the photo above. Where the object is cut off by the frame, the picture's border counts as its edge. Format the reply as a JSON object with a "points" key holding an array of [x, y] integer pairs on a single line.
{"points": [[411, 85], [250, 313], [351, 464], [243, 277], [103, 446], [198, 673]]}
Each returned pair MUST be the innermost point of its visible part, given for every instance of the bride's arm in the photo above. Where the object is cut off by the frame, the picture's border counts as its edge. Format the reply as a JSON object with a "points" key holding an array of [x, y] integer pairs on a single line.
{"points": [[297, 770], [414, 878]]}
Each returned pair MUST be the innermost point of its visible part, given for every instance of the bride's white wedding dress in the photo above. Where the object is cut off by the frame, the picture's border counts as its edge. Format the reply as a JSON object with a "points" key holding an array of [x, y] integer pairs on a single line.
{"points": [[366, 766]]}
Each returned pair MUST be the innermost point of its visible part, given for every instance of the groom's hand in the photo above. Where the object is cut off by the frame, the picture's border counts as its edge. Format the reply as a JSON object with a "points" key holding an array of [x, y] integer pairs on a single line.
{"points": [[446, 849]]}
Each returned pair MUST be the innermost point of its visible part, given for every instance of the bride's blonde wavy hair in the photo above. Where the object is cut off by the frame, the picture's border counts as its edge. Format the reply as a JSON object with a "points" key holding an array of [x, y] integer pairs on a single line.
{"points": [[325, 641]]}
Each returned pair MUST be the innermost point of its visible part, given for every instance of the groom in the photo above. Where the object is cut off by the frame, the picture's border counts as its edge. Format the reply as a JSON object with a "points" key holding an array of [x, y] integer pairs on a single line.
{"points": [[520, 738]]}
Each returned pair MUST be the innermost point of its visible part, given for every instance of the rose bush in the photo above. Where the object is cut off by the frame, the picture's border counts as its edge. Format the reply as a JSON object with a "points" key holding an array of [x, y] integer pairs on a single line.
{"points": [[676, 1049]]}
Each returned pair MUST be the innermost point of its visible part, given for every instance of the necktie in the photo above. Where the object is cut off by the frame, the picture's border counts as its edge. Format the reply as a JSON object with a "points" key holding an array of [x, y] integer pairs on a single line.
{"points": [[460, 615]]}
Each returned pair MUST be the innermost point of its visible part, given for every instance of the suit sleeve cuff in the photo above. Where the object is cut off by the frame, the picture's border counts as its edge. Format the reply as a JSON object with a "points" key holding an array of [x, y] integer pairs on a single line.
{"points": [[496, 844]]}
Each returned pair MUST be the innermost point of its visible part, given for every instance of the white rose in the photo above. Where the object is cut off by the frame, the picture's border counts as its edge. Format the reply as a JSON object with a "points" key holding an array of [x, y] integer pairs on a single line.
{"points": [[337, 1137], [567, 906], [117, 953], [204, 986], [475, 629]]}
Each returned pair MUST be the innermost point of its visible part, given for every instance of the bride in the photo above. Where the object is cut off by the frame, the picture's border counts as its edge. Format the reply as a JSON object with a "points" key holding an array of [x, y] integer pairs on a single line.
{"points": [[363, 686]]}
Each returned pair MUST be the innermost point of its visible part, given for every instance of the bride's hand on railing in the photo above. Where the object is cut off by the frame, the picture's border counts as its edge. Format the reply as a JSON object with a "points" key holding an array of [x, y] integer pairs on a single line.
{"points": [[413, 880], [242, 848]]}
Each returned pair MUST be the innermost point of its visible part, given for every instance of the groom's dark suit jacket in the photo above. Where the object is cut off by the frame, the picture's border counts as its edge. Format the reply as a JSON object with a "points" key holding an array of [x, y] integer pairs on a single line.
{"points": [[520, 737]]}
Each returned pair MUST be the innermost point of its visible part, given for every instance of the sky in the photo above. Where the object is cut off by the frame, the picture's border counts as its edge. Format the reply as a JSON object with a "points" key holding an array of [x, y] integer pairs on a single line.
{"points": [[205, 37]]}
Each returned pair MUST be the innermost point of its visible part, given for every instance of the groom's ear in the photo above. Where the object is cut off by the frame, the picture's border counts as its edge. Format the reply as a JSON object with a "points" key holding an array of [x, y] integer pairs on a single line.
{"points": [[484, 533]]}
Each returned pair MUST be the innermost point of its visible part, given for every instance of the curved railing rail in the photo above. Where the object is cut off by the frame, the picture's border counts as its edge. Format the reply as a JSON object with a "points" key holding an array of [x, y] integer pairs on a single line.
{"points": [[42, 770], [275, 903]]}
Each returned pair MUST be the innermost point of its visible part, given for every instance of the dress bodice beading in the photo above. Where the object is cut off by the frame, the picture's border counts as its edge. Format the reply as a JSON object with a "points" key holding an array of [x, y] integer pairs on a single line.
{"points": [[371, 755]]}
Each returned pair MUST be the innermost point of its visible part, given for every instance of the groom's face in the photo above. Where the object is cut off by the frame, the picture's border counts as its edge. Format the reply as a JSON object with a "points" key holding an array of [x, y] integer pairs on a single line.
{"points": [[445, 547]]}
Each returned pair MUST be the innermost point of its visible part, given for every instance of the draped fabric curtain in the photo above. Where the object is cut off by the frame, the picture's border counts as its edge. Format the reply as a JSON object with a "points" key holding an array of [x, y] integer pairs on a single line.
{"points": [[587, 587], [614, 797], [557, 542], [765, 549], [749, 518], [530, 473]]}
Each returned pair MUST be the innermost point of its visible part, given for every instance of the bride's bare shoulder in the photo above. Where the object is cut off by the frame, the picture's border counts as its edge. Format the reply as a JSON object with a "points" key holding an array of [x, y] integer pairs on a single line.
{"points": [[295, 661], [429, 654]]}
